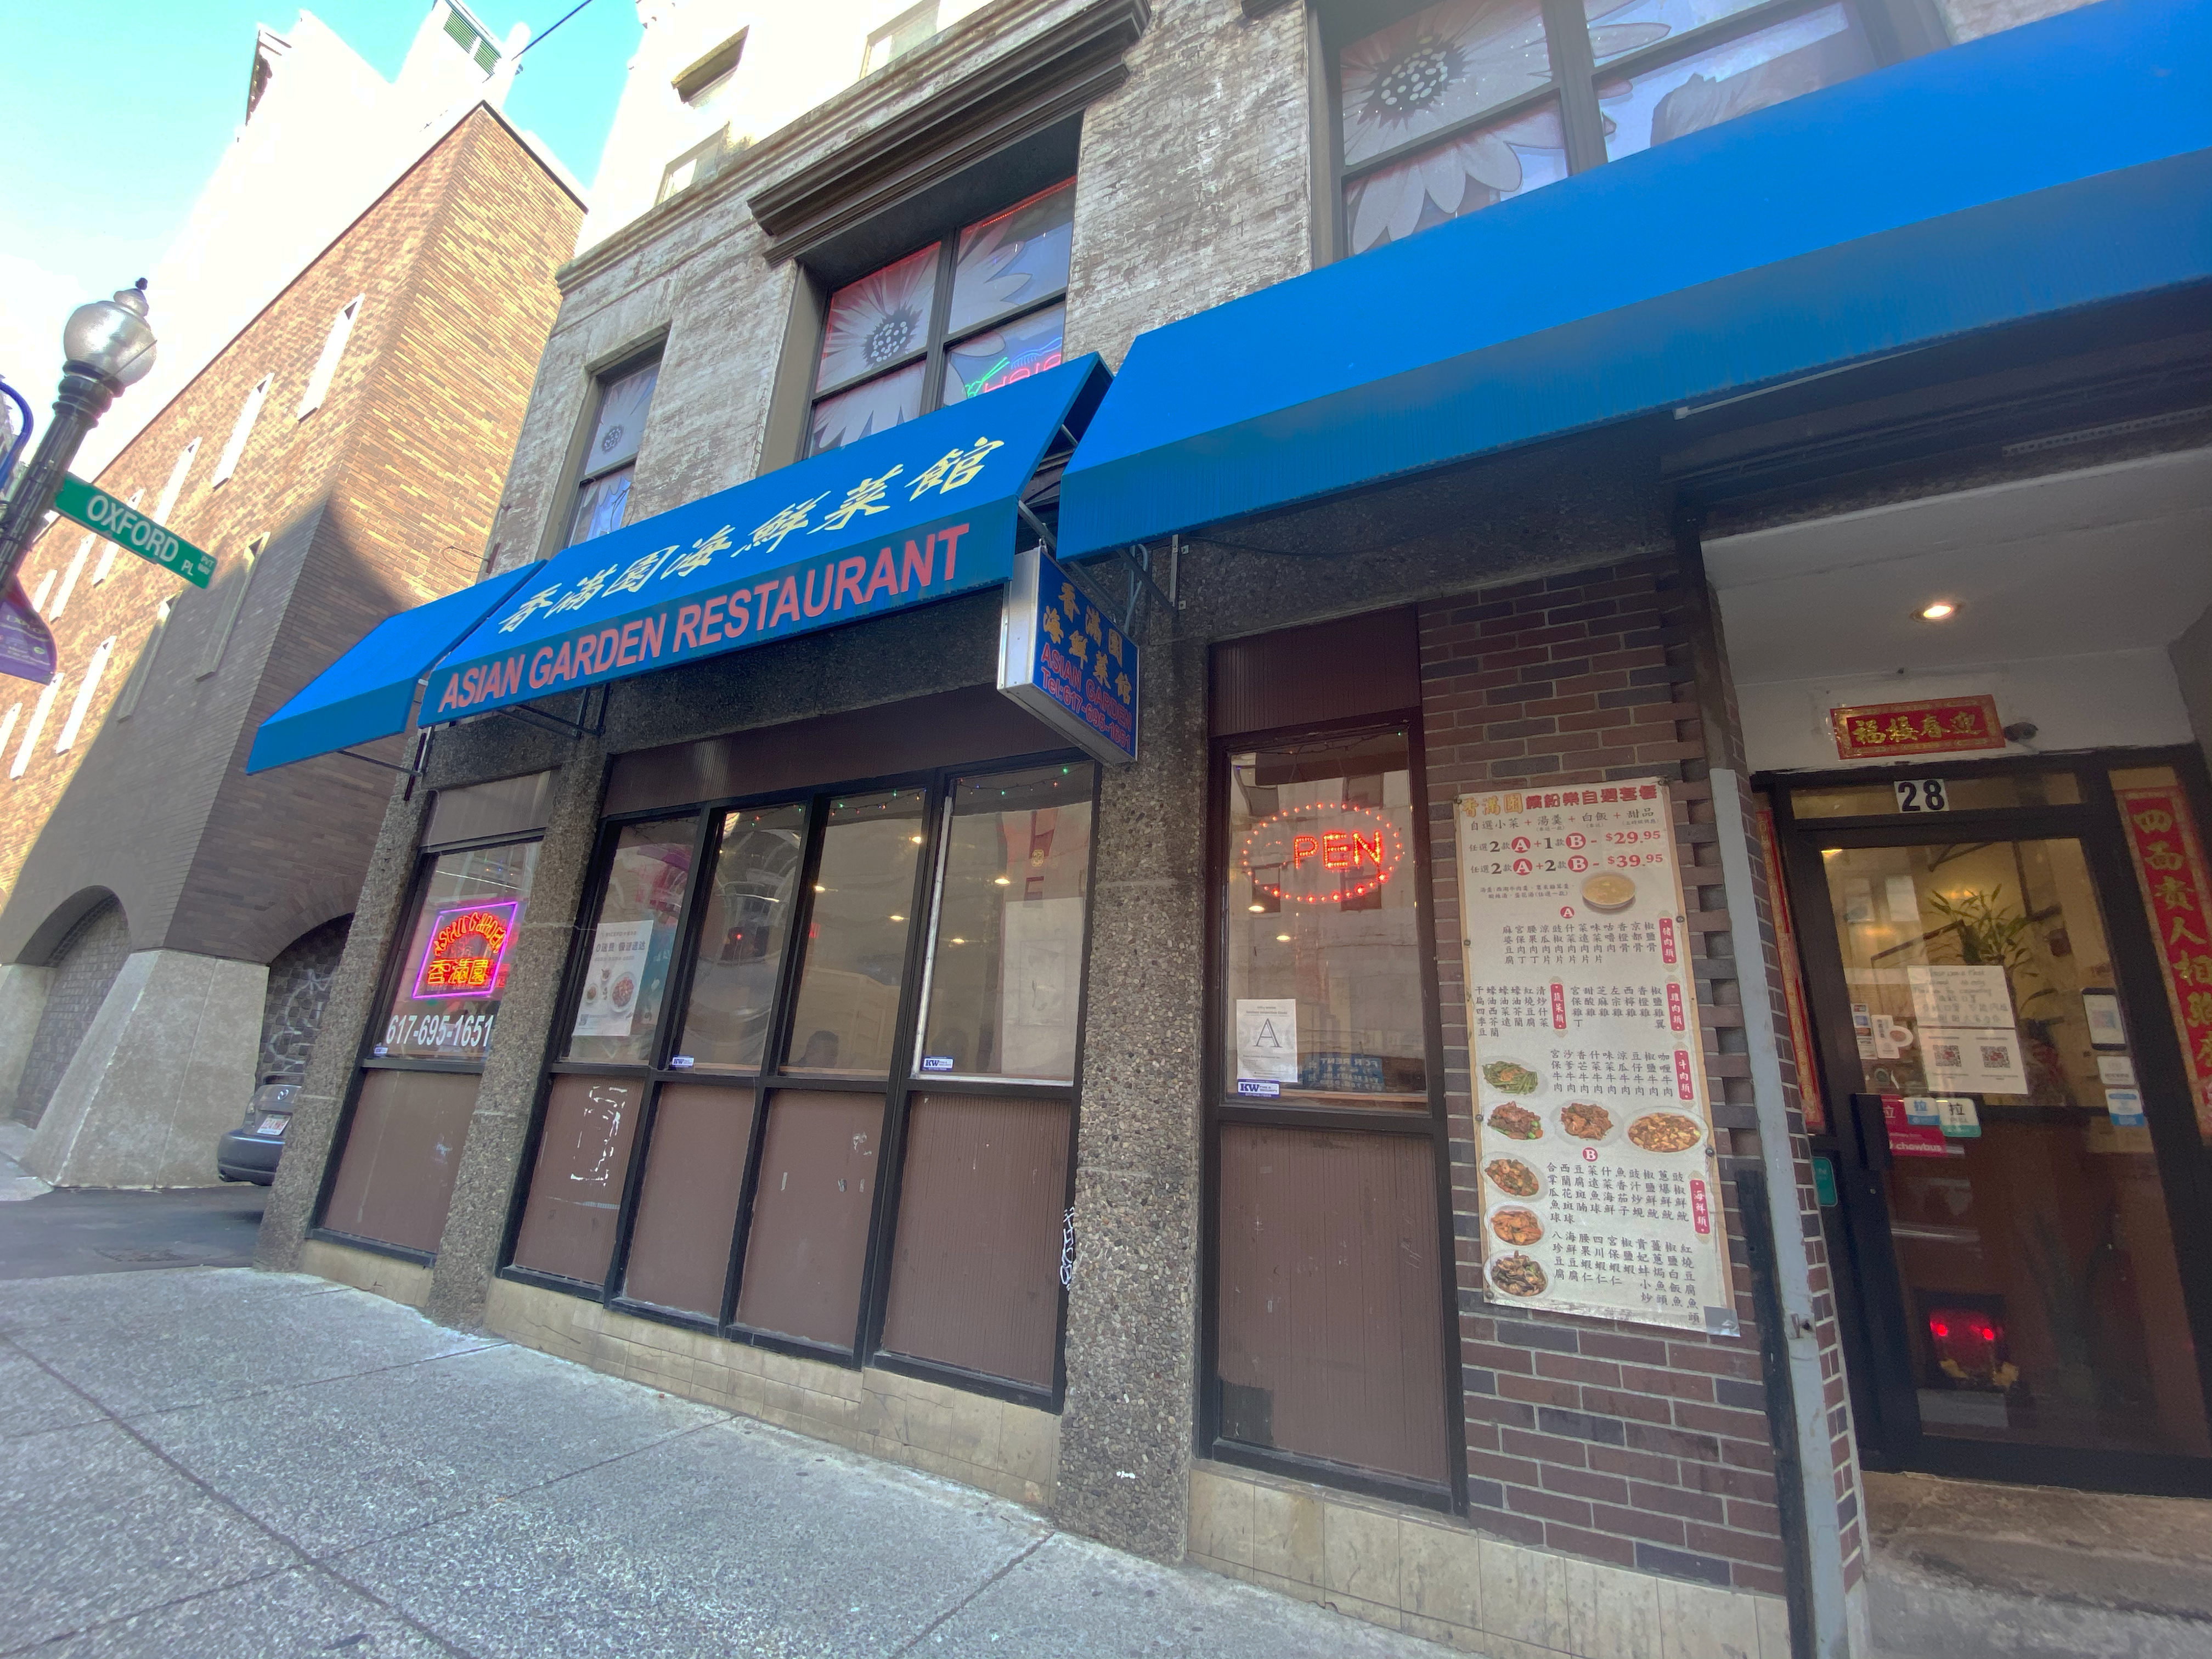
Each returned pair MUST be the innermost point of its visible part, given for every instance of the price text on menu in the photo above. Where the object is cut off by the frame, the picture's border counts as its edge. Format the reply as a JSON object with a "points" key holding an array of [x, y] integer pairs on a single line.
{"points": [[1600, 1183]]}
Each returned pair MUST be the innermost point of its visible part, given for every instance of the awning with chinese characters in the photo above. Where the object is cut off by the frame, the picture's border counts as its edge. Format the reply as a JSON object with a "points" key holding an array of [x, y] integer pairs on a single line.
{"points": [[918, 513], [370, 692]]}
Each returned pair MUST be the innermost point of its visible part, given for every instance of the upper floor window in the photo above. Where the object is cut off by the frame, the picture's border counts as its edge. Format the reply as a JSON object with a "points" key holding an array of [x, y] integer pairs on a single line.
{"points": [[703, 85], [175, 487], [249, 411], [950, 321], [602, 477], [326, 365], [1464, 104], [912, 27]]}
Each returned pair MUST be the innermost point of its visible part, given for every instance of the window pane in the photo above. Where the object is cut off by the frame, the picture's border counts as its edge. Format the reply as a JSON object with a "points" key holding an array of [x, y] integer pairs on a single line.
{"points": [[741, 940], [1770, 67], [395, 1176], [1438, 68], [1006, 956], [621, 423], [1475, 170], [575, 1191], [1324, 953], [984, 362], [809, 1230], [1616, 29], [600, 505], [875, 407], [975, 1273], [874, 322], [453, 976], [1013, 257], [1331, 1304], [618, 1011], [687, 1206], [848, 990]]}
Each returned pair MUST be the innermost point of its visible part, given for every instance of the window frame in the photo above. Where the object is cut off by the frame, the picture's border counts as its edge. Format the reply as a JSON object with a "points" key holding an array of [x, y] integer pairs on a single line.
{"points": [[1225, 1109], [939, 340], [902, 1084], [1575, 76], [367, 1060], [579, 472]]}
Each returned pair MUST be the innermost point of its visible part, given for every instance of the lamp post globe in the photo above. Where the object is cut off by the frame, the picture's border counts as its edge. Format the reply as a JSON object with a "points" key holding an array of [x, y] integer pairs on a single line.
{"points": [[107, 346]]}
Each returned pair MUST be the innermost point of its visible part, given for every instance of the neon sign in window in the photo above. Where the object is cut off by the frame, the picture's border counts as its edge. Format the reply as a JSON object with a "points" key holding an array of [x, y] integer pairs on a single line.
{"points": [[467, 953], [1321, 854]]}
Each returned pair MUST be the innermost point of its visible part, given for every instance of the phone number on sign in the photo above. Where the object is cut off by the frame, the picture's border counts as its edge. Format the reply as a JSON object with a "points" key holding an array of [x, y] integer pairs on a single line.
{"points": [[438, 1031]]}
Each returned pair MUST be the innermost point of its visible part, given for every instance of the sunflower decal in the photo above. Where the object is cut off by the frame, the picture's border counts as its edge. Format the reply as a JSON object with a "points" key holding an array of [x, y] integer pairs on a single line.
{"points": [[879, 320]]}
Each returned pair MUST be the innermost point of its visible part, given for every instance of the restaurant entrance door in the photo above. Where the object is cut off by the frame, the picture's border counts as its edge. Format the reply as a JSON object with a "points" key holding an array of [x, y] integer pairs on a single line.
{"points": [[2021, 1201]]}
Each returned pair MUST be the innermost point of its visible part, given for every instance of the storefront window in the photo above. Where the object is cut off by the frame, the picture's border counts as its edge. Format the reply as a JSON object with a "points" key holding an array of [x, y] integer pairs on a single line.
{"points": [[749, 901], [810, 1232], [626, 975], [694, 1171], [454, 975], [583, 1158], [395, 1180], [1006, 972], [847, 1015], [1323, 962]]}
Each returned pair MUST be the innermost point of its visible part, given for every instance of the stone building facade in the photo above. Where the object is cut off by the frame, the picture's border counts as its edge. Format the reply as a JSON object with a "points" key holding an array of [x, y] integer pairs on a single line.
{"points": [[1392, 539], [377, 397]]}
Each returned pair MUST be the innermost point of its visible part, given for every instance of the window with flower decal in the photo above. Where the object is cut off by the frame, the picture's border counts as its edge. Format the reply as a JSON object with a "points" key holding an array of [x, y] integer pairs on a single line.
{"points": [[1457, 107], [974, 311], [611, 451]]}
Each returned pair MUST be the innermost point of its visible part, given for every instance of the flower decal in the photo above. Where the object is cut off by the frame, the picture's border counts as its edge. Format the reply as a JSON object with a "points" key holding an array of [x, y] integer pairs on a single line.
{"points": [[874, 406], [1437, 69], [1458, 176], [878, 321]]}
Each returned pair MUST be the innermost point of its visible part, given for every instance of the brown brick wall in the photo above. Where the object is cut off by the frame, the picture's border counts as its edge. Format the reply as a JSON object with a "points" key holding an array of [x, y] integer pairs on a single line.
{"points": [[1623, 1442], [377, 500]]}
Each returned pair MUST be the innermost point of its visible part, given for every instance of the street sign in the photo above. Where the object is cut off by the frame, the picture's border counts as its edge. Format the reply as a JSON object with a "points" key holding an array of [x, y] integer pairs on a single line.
{"points": [[127, 527]]}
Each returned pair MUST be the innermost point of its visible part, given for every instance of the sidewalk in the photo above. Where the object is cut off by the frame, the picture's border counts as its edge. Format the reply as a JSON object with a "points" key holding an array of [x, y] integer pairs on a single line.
{"points": [[222, 1462]]}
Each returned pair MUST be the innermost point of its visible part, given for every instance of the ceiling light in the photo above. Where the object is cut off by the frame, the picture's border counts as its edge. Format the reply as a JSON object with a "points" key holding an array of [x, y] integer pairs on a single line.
{"points": [[959, 941], [898, 918], [916, 840], [1282, 938], [1258, 909], [1002, 881], [1938, 611]]}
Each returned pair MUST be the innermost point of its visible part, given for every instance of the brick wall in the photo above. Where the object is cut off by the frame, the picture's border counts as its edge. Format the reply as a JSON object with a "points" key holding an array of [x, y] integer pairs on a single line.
{"points": [[1622, 1443], [85, 965]]}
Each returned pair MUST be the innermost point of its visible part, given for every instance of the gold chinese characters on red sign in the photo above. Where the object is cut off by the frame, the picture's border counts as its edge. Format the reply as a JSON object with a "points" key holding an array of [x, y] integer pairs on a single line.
{"points": [[1934, 726], [2169, 862]]}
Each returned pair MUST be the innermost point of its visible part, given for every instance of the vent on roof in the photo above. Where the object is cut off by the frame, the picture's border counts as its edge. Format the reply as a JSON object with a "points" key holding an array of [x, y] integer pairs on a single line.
{"points": [[461, 29]]}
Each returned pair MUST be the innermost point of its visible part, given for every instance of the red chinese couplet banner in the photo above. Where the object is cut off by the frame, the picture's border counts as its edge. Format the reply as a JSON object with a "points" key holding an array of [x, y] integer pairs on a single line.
{"points": [[1793, 978], [1934, 726], [2169, 861]]}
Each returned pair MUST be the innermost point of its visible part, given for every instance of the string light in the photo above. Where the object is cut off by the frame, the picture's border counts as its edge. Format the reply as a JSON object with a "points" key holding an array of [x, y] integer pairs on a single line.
{"points": [[1386, 866]]}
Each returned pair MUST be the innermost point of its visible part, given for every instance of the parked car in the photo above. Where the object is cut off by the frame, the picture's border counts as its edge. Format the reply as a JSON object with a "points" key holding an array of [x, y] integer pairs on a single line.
{"points": [[250, 1152]]}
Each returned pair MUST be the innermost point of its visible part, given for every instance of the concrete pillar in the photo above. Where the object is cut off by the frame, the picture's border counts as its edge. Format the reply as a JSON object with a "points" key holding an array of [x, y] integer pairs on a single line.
{"points": [[23, 1000], [166, 1068], [1126, 1433], [475, 1225]]}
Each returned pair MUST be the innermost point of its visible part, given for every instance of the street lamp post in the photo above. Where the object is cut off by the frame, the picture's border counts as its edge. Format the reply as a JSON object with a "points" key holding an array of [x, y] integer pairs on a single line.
{"points": [[107, 346]]}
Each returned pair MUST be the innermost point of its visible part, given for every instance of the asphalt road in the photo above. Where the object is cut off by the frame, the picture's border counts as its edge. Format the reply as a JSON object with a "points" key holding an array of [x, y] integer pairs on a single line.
{"points": [[74, 1230]]}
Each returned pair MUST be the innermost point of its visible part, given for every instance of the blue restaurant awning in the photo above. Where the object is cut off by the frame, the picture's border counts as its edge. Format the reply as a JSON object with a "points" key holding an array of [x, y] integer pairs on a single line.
{"points": [[915, 514], [370, 692], [2052, 166]]}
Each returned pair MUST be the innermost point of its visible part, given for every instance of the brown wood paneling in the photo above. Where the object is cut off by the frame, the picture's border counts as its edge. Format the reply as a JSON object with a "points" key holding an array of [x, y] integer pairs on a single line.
{"points": [[1331, 671], [396, 1175], [976, 1271], [1331, 1297], [575, 1191], [687, 1210], [949, 729], [477, 811], [810, 1232]]}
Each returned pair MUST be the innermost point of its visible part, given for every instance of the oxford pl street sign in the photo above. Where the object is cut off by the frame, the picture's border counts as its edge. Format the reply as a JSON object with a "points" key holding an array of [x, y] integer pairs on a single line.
{"points": [[131, 530], [926, 510], [1065, 659]]}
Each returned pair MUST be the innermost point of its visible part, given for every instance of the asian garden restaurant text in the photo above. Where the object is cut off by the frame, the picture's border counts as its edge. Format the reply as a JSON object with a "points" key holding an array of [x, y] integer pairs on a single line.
{"points": [[1484, 974]]}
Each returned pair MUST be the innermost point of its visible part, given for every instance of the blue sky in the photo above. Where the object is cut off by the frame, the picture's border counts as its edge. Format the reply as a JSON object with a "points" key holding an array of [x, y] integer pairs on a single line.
{"points": [[115, 118]]}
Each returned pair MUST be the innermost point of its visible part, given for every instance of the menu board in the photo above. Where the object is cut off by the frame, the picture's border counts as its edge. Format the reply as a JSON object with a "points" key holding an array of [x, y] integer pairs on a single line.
{"points": [[1600, 1181]]}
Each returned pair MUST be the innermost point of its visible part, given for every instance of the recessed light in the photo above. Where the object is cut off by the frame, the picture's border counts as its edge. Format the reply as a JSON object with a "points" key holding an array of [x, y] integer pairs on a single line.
{"points": [[1938, 611], [959, 941], [1002, 881], [1282, 938], [1258, 909], [916, 840], [898, 918]]}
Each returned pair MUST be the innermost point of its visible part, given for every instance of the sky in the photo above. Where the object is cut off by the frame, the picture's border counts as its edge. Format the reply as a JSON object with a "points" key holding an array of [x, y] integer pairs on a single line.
{"points": [[116, 117]]}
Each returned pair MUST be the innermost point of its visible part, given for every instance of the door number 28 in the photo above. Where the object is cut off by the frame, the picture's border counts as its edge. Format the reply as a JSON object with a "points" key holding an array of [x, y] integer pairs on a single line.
{"points": [[1921, 795]]}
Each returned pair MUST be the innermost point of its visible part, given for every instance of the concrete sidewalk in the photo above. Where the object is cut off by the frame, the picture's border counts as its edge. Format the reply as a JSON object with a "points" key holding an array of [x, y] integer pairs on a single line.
{"points": [[222, 1462]]}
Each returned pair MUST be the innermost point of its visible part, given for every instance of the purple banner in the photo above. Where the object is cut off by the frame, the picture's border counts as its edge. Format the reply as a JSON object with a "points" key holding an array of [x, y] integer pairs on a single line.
{"points": [[27, 649]]}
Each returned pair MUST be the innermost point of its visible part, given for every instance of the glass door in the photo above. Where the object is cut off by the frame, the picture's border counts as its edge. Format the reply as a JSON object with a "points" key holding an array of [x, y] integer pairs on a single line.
{"points": [[2017, 1199]]}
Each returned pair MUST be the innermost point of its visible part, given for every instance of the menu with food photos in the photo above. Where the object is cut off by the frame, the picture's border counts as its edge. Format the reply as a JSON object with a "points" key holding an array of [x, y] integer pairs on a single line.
{"points": [[1594, 1139]]}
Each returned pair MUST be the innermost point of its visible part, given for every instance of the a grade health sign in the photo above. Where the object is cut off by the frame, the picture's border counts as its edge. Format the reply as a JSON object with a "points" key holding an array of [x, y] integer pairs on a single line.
{"points": [[131, 530], [1600, 1189]]}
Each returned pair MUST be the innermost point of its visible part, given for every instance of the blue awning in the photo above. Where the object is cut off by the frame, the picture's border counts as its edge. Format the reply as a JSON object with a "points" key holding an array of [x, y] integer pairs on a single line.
{"points": [[370, 692], [2058, 165], [909, 516]]}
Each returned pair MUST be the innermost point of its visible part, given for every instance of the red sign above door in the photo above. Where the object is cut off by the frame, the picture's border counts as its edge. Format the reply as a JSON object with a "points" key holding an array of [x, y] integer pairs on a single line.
{"points": [[1934, 726]]}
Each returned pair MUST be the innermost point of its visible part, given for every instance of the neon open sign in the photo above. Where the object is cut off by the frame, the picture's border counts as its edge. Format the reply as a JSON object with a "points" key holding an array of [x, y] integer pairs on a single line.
{"points": [[1321, 854], [467, 950]]}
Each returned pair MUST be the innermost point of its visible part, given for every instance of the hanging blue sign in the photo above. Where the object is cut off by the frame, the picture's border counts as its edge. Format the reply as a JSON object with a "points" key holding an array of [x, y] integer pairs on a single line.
{"points": [[920, 513], [1065, 659]]}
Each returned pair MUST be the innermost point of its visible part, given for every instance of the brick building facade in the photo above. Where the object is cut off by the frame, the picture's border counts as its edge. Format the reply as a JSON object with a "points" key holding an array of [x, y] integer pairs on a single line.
{"points": [[364, 484], [1392, 506]]}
